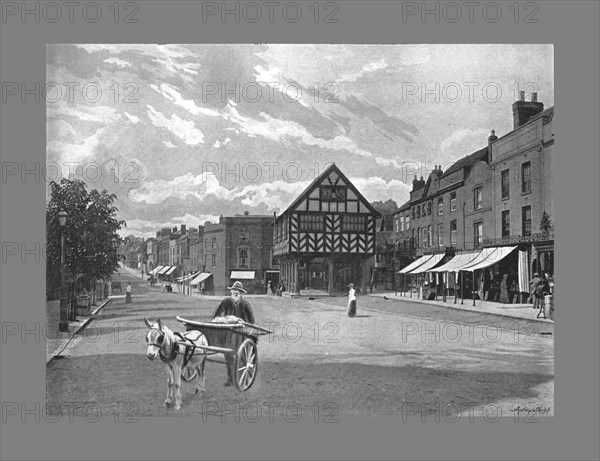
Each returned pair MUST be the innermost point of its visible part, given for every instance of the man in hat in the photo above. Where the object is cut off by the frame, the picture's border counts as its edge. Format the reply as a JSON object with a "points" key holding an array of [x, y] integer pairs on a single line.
{"points": [[238, 306], [535, 290]]}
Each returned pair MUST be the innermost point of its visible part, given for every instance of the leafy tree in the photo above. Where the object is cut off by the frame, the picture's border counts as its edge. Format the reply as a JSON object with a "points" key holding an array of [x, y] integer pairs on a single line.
{"points": [[386, 208], [91, 238]]}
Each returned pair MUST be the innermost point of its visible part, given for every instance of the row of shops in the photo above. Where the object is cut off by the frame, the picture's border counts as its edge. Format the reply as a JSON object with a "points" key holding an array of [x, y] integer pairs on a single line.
{"points": [[499, 274]]}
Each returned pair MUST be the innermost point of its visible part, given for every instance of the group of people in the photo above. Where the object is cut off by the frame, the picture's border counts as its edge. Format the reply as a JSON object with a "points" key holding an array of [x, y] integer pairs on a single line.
{"points": [[539, 287], [278, 292]]}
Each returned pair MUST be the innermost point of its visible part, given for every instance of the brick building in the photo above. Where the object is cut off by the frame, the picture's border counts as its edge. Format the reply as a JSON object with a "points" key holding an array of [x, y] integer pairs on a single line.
{"points": [[239, 248], [498, 199]]}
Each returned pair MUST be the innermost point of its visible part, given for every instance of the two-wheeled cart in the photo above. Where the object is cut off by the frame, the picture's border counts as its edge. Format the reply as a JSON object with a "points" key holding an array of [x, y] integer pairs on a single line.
{"points": [[238, 339]]}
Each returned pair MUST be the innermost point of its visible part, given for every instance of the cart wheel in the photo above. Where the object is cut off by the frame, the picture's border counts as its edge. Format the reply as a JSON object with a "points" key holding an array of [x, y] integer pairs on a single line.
{"points": [[246, 363]]}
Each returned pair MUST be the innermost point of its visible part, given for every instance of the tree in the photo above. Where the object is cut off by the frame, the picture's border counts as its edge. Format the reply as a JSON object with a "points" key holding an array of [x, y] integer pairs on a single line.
{"points": [[91, 238], [386, 208], [545, 224]]}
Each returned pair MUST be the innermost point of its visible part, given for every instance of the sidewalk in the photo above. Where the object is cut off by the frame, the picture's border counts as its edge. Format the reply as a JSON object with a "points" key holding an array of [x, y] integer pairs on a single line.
{"points": [[57, 341], [521, 311]]}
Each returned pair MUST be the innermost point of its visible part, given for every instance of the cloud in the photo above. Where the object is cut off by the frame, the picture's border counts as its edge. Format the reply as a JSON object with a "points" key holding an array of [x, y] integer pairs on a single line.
{"points": [[132, 118], [188, 104], [76, 152], [148, 229], [368, 68], [184, 129], [463, 142], [101, 114], [199, 186], [118, 62], [169, 144], [378, 189]]}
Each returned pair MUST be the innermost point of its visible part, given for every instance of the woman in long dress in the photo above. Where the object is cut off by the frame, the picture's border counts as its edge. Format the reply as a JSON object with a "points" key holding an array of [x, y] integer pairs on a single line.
{"points": [[128, 294], [351, 301]]}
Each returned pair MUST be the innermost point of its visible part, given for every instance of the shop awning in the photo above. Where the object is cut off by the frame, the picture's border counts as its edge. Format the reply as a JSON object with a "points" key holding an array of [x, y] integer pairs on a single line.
{"points": [[481, 256], [200, 278], [185, 278], [242, 275], [415, 264], [495, 256], [458, 261], [170, 270], [156, 270], [164, 270], [429, 264]]}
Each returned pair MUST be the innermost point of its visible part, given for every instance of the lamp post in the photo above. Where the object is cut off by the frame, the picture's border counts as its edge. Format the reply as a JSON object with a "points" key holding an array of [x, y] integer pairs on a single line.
{"points": [[63, 324]]}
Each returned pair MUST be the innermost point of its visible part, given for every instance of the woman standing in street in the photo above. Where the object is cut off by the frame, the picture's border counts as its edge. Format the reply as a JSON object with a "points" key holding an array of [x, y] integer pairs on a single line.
{"points": [[504, 289], [351, 301], [128, 294]]}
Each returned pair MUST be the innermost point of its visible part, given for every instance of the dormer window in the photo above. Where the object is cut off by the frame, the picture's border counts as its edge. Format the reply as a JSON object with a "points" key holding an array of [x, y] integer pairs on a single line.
{"points": [[333, 193]]}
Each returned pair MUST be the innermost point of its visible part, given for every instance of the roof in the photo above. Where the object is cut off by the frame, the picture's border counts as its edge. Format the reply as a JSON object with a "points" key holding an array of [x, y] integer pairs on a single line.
{"points": [[319, 179], [468, 161]]}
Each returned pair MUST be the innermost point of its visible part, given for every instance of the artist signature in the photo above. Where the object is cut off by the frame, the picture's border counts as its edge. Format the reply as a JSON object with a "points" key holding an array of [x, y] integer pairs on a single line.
{"points": [[531, 410]]}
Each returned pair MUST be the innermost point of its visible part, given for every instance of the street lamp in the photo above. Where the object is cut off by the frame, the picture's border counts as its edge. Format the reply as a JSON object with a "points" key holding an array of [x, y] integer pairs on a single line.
{"points": [[63, 324]]}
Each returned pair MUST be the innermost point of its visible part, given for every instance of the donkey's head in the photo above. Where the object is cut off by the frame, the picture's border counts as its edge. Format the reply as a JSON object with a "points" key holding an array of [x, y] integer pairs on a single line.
{"points": [[156, 338]]}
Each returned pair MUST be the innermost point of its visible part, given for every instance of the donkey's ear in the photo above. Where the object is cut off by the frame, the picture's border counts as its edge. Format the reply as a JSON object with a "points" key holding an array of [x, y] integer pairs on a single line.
{"points": [[160, 326], [148, 324]]}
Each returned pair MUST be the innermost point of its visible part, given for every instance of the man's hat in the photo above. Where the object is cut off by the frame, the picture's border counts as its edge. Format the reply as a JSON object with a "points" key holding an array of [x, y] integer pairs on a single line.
{"points": [[238, 287], [536, 274], [351, 285]]}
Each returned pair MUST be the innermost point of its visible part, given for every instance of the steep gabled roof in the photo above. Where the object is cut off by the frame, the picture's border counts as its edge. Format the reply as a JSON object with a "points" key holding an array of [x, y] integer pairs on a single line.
{"points": [[320, 179]]}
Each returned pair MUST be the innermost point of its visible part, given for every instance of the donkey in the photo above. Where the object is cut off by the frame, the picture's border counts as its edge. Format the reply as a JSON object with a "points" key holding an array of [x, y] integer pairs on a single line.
{"points": [[181, 360]]}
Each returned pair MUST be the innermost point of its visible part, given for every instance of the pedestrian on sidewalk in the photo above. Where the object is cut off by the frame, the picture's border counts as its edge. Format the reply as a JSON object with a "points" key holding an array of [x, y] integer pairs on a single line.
{"points": [[351, 301], [504, 289], [128, 294], [535, 290]]}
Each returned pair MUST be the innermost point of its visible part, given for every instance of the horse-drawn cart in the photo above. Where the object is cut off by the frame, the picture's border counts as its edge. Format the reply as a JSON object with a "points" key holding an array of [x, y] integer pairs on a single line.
{"points": [[237, 339]]}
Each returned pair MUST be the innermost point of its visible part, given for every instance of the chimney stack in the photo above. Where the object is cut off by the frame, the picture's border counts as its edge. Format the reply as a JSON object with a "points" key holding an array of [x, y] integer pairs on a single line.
{"points": [[183, 229], [523, 110]]}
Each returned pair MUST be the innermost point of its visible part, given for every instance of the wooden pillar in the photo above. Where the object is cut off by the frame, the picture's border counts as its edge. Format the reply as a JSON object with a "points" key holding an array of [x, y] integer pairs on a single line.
{"points": [[330, 282], [365, 275], [297, 275]]}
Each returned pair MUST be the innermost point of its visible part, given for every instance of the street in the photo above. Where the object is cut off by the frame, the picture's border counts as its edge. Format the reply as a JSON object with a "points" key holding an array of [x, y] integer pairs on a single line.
{"points": [[395, 358]]}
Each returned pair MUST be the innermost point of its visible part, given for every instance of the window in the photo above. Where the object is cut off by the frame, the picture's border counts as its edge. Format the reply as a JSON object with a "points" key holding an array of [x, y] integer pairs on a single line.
{"points": [[478, 234], [477, 198], [429, 236], [505, 184], [354, 223], [453, 201], [407, 222], [413, 213], [424, 238], [244, 236], [243, 258], [424, 209], [428, 208], [418, 237], [214, 260], [453, 232], [418, 212], [526, 218], [333, 194], [413, 237], [440, 232], [440, 206], [505, 223], [214, 242], [401, 223], [311, 222], [526, 177]]}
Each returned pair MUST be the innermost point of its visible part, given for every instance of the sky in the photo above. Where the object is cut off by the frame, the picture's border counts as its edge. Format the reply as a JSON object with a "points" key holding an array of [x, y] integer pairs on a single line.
{"points": [[185, 133]]}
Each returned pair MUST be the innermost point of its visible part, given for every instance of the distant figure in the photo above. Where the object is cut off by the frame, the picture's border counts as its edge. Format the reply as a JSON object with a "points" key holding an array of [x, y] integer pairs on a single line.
{"points": [[504, 289], [269, 289], [535, 290], [351, 301], [128, 294]]}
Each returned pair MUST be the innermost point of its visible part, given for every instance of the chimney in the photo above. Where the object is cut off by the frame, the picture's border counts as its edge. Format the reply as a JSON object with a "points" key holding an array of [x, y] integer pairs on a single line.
{"points": [[183, 229], [523, 110], [415, 183], [492, 137]]}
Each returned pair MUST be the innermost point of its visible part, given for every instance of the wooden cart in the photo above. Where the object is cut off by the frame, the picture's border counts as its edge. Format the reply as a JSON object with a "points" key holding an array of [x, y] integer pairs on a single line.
{"points": [[237, 339]]}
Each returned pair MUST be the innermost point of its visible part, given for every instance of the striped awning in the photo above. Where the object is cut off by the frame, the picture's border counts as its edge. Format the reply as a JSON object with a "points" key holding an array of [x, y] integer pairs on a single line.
{"points": [[498, 254], [171, 270], [164, 270], [156, 270], [200, 278], [457, 262], [429, 264], [185, 278], [415, 264]]}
